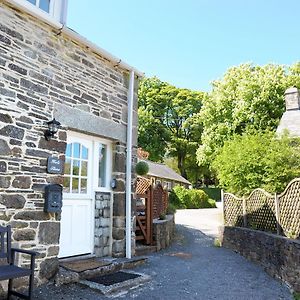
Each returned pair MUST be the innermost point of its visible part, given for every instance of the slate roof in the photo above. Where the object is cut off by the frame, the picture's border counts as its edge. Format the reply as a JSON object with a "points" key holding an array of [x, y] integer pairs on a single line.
{"points": [[290, 120], [163, 171]]}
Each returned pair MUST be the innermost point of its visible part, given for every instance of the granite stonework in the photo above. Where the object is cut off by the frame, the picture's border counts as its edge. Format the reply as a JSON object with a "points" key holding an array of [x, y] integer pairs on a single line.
{"points": [[45, 74], [103, 226], [279, 256], [163, 232]]}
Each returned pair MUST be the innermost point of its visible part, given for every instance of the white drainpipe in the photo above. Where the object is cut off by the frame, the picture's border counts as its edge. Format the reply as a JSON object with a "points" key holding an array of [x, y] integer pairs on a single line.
{"points": [[129, 164]]}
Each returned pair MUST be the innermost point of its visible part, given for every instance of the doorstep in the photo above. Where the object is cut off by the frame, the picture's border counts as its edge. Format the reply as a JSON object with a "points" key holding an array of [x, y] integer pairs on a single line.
{"points": [[88, 267], [116, 284]]}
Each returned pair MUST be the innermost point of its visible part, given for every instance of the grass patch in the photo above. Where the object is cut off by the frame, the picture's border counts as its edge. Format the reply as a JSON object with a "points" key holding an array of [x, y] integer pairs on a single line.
{"points": [[217, 243]]}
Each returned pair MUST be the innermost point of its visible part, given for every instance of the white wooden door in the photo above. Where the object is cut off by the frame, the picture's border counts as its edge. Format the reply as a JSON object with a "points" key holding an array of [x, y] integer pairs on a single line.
{"points": [[76, 235]]}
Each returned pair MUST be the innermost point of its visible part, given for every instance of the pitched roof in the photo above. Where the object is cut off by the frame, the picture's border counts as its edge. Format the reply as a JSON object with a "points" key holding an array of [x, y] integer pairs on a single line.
{"points": [[163, 171], [290, 120]]}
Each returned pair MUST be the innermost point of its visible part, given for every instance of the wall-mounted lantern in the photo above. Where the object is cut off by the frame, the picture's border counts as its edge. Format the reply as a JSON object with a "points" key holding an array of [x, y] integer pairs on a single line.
{"points": [[53, 127], [113, 183]]}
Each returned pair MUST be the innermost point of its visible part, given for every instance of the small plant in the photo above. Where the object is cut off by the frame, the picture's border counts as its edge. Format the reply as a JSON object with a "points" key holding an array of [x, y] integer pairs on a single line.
{"points": [[142, 168], [296, 296], [291, 235], [217, 243], [162, 216], [171, 209]]}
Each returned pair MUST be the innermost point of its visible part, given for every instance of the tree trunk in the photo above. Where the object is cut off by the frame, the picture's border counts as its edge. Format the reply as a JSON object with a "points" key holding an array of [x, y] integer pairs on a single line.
{"points": [[180, 158]]}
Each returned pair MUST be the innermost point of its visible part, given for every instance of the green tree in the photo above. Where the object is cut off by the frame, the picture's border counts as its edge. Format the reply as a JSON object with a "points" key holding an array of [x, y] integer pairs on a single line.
{"points": [[255, 160], [247, 98], [169, 124]]}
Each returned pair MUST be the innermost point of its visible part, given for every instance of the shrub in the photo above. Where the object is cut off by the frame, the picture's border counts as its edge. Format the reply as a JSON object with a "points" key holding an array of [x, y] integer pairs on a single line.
{"points": [[258, 160], [171, 209], [162, 216], [181, 197], [142, 168]]}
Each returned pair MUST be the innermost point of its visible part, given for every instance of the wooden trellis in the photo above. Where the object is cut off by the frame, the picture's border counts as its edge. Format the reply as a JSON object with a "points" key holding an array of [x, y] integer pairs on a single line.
{"points": [[260, 211], [263, 211], [289, 208], [233, 210]]}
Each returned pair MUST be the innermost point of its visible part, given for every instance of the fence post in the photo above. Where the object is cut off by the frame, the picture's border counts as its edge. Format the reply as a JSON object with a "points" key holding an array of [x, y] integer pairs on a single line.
{"points": [[223, 206], [277, 212], [244, 212]]}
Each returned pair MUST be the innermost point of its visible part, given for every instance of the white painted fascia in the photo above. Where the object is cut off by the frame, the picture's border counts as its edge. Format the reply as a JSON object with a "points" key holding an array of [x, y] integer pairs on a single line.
{"points": [[45, 17]]}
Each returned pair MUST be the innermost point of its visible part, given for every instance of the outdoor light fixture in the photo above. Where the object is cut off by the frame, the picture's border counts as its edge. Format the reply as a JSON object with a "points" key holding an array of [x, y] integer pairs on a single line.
{"points": [[53, 127], [113, 183]]}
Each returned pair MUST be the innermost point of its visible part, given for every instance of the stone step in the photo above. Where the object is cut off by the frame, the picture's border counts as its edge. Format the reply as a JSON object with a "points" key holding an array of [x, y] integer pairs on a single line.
{"points": [[110, 265], [117, 288], [143, 250]]}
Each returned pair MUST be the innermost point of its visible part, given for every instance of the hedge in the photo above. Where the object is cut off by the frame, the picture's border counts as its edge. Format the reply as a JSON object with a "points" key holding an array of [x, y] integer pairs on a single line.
{"points": [[181, 197]]}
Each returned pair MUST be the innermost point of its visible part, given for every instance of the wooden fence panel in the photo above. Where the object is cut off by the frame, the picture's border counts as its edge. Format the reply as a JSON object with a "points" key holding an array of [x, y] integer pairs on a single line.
{"points": [[263, 211], [233, 210], [260, 211], [289, 207]]}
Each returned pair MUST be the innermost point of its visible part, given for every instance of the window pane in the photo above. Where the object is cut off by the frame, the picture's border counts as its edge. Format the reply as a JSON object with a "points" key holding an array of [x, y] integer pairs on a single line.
{"points": [[102, 166], [83, 189], [84, 166], [45, 5], [66, 188], [76, 165], [76, 150], [68, 166], [32, 1], [68, 150], [75, 183], [84, 152]]}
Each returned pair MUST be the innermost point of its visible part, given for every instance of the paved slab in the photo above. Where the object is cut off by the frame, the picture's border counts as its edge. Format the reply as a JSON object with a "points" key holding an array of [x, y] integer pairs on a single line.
{"points": [[192, 268]]}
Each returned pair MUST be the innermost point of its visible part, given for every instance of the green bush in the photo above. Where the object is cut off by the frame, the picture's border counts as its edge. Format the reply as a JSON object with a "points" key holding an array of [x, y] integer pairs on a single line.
{"points": [[171, 209], [142, 168], [258, 160], [181, 197], [213, 193]]}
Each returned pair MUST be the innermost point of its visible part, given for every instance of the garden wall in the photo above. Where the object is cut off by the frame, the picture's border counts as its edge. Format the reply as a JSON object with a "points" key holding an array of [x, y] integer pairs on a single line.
{"points": [[279, 256], [163, 232]]}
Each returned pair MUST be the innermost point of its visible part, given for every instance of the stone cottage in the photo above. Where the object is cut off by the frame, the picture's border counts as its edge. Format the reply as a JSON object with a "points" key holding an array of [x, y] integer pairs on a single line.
{"points": [[48, 71]]}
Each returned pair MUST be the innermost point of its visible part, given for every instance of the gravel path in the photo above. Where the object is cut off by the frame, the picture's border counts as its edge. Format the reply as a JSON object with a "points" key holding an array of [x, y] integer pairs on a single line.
{"points": [[192, 268]]}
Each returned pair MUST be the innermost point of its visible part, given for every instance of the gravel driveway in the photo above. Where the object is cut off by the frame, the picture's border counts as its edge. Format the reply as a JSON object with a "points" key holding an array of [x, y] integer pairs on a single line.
{"points": [[192, 268]]}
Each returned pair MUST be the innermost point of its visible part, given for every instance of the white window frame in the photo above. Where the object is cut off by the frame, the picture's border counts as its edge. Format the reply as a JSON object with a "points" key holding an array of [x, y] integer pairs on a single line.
{"points": [[75, 138], [108, 167], [57, 9]]}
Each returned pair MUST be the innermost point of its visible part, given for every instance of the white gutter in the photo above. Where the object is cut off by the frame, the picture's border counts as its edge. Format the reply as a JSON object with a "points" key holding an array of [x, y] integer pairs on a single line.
{"points": [[41, 15], [129, 164]]}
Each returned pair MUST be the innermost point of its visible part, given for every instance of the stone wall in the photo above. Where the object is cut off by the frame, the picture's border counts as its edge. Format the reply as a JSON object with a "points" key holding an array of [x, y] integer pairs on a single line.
{"points": [[279, 256], [44, 74], [163, 232], [103, 224]]}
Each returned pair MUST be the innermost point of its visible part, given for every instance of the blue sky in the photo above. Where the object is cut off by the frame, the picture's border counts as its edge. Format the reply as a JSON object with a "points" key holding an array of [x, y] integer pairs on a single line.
{"points": [[189, 43]]}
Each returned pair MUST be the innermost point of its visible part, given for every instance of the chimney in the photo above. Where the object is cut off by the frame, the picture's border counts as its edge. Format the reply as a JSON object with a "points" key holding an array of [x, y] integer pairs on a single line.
{"points": [[292, 99]]}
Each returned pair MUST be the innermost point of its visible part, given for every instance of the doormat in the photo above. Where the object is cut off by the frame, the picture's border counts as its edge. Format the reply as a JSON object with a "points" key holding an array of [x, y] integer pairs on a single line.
{"points": [[118, 283], [114, 278], [84, 265]]}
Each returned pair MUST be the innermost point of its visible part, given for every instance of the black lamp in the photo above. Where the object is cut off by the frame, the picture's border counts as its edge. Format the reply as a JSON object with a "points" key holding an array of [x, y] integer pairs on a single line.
{"points": [[53, 127]]}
